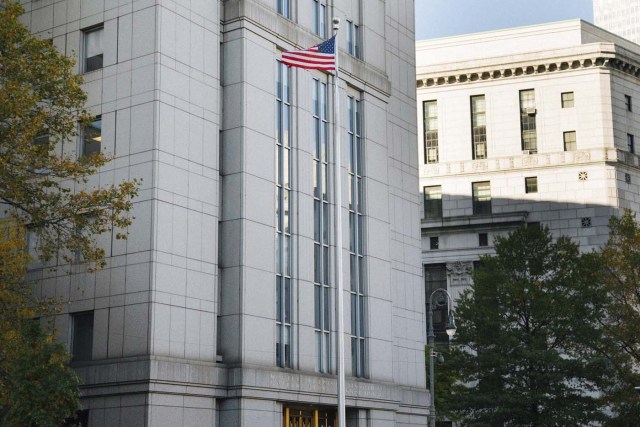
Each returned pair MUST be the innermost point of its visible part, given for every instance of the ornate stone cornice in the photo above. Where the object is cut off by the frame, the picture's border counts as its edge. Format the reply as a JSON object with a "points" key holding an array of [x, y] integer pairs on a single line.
{"points": [[609, 61]]}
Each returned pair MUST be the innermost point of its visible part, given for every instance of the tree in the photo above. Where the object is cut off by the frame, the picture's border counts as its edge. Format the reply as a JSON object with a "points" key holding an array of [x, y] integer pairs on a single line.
{"points": [[37, 387], [522, 344], [620, 278], [44, 193], [41, 104]]}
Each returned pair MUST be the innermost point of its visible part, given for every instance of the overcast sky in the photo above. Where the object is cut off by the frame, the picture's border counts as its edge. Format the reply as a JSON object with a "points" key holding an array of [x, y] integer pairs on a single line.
{"points": [[441, 18]]}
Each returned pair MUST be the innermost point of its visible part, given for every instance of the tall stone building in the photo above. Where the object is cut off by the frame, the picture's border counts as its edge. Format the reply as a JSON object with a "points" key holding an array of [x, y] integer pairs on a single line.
{"points": [[219, 308], [621, 17], [531, 125]]}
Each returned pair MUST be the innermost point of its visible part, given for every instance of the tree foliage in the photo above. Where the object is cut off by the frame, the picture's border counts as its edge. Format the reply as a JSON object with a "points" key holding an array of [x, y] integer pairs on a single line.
{"points": [[37, 387], [40, 185], [523, 344], [44, 191], [620, 279]]}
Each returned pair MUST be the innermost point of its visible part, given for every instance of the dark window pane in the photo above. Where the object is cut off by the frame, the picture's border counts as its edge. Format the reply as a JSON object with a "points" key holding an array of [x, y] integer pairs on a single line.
{"points": [[434, 242], [531, 184], [82, 338], [93, 49], [433, 202], [435, 276], [92, 137], [481, 198]]}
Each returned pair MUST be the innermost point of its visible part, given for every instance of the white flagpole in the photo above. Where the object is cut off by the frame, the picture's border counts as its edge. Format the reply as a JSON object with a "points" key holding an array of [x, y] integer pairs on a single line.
{"points": [[337, 183]]}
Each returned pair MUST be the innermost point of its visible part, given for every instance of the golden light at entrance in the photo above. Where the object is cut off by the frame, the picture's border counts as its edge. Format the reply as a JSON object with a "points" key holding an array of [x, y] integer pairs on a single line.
{"points": [[309, 417]]}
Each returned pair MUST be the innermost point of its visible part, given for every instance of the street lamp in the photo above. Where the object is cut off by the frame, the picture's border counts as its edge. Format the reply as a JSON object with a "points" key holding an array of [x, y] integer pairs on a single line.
{"points": [[451, 330]]}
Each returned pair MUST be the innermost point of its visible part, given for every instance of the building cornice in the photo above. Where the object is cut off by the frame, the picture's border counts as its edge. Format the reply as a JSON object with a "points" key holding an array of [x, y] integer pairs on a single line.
{"points": [[606, 57], [289, 35]]}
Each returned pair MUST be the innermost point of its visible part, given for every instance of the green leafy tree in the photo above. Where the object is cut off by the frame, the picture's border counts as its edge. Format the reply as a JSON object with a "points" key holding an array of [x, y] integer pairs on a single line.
{"points": [[45, 192], [524, 334], [620, 279], [37, 387], [445, 379]]}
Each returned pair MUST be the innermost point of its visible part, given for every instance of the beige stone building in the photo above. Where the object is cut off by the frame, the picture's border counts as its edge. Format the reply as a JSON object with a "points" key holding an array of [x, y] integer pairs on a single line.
{"points": [[530, 125]]}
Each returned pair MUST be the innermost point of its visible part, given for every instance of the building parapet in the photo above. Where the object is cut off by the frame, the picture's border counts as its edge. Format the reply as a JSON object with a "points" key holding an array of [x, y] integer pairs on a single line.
{"points": [[605, 56]]}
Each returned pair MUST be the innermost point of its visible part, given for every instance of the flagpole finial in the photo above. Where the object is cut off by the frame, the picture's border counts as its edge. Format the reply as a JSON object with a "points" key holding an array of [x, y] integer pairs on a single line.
{"points": [[336, 23]]}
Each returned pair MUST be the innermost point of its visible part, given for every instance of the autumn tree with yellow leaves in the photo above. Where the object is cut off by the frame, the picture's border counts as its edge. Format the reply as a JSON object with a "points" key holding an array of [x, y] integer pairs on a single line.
{"points": [[44, 191]]}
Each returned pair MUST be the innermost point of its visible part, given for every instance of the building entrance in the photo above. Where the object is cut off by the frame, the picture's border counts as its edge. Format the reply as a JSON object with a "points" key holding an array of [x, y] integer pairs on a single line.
{"points": [[309, 417]]}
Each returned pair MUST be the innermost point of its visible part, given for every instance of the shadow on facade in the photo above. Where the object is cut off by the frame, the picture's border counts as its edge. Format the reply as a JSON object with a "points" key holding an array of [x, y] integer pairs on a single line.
{"points": [[457, 230]]}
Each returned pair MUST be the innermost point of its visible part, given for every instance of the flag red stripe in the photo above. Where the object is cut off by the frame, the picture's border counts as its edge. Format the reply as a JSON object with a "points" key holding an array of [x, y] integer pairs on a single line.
{"points": [[310, 59], [302, 64], [321, 56]]}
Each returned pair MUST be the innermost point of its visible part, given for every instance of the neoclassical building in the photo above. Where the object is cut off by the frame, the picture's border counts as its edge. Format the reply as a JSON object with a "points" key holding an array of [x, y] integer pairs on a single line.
{"points": [[219, 308], [531, 125]]}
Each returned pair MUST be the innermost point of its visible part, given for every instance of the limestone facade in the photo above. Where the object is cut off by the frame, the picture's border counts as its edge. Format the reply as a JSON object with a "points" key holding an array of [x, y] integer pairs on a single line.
{"points": [[533, 125], [184, 319]]}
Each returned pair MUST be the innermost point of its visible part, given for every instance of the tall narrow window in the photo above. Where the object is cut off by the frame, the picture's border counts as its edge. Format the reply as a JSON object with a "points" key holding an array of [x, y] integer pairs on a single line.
{"points": [[481, 197], [430, 118], [528, 121], [435, 277], [92, 137], [479, 127], [531, 184], [353, 39], [567, 99], [321, 233], [433, 202], [283, 7], [82, 336], [356, 241], [631, 145], [92, 51], [570, 141], [319, 18], [283, 219], [627, 102]]}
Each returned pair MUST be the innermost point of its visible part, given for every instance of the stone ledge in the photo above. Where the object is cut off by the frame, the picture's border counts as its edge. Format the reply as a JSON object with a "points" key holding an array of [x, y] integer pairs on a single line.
{"points": [[530, 161], [144, 375], [498, 220]]}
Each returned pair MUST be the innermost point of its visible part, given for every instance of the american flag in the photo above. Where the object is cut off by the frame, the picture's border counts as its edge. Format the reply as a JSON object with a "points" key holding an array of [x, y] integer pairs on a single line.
{"points": [[318, 57]]}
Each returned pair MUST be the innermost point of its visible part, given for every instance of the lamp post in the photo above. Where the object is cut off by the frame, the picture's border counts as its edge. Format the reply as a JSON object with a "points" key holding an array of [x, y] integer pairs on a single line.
{"points": [[451, 330]]}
